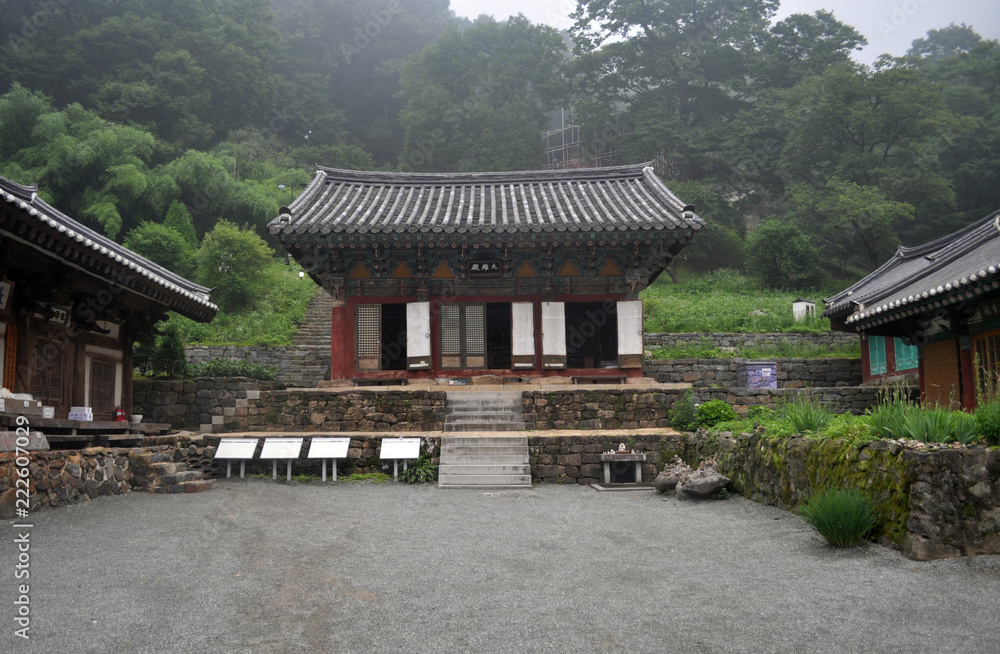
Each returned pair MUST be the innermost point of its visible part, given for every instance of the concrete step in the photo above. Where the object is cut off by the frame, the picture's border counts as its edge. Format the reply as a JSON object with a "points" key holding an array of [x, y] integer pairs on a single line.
{"points": [[484, 481], [484, 441], [484, 426], [452, 458], [484, 469], [466, 450], [486, 461]]}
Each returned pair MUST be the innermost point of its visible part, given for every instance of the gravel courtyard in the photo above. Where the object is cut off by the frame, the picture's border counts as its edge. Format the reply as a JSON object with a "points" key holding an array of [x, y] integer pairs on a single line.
{"points": [[262, 566]]}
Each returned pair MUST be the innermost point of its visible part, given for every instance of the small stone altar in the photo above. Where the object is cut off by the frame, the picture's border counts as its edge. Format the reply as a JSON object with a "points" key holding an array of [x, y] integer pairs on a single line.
{"points": [[619, 457]]}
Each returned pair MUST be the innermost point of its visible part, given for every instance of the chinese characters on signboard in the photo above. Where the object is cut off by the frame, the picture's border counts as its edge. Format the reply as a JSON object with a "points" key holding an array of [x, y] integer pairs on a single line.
{"points": [[484, 269]]}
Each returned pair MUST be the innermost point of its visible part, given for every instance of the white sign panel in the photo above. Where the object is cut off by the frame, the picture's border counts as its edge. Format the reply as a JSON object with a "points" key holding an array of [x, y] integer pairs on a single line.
{"points": [[400, 448], [329, 448], [236, 448], [281, 448]]}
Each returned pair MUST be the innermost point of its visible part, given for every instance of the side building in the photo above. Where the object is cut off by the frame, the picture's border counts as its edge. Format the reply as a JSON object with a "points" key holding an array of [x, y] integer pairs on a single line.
{"points": [[519, 274], [938, 304], [72, 303]]}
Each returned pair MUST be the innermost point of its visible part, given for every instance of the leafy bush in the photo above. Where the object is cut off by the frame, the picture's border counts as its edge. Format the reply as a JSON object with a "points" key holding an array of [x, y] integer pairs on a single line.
{"points": [[168, 355], [684, 413], [842, 516], [232, 368], [784, 255], [987, 417], [419, 471], [807, 415], [713, 412], [230, 260], [162, 245]]}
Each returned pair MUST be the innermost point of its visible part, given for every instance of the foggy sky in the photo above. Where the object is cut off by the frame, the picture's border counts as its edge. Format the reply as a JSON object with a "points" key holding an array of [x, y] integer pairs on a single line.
{"points": [[889, 25]]}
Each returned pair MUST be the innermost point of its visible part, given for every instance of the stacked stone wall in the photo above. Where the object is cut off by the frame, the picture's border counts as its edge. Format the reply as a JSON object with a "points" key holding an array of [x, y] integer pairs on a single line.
{"points": [[206, 403], [792, 373], [361, 410], [62, 477], [631, 409], [935, 502], [577, 459]]}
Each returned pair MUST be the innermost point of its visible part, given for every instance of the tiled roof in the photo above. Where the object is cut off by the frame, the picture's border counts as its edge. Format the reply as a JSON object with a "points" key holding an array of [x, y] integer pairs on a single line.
{"points": [[956, 263], [26, 199], [621, 198]]}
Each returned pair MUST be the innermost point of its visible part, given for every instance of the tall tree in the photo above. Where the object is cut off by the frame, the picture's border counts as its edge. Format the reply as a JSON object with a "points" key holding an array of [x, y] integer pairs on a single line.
{"points": [[478, 99], [680, 71]]}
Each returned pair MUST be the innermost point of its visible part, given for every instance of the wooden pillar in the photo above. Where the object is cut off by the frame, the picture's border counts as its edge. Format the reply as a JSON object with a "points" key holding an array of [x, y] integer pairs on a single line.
{"points": [[126, 338], [341, 342], [968, 372], [76, 351]]}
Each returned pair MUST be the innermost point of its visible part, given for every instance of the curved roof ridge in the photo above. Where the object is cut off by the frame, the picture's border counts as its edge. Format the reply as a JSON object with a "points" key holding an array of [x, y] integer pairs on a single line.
{"points": [[514, 176]]}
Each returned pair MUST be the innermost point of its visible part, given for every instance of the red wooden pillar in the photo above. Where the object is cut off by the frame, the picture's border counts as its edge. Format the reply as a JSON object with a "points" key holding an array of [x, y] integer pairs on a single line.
{"points": [[968, 372], [341, 342]]}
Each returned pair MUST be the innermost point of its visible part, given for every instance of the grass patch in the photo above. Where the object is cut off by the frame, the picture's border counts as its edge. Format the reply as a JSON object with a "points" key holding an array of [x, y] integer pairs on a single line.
{"points": [[842, 516], [374, 477], [273, 320], [726, 301], [705, 350]]}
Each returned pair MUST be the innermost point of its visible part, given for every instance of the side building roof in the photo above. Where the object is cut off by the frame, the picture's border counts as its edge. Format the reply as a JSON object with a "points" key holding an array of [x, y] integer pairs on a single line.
{"points": [[613, 199], [962, 264], [45, 227]]}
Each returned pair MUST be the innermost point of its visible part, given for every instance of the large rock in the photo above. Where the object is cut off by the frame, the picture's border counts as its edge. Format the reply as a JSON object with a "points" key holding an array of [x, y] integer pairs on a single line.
{"points": [[666, 482], [702, 483]]}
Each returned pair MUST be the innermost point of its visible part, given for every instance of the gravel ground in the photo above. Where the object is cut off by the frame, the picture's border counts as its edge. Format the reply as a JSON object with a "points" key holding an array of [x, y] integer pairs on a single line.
{"points": [[262, 566]]}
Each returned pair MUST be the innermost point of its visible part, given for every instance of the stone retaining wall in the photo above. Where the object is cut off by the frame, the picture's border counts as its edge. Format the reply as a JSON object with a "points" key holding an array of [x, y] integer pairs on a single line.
{"points": [[361, 410], [792, 373], [577, 459], [62, 477], [657, 340], [938, 503], [634, 409], [298, 366], [206, 403]]}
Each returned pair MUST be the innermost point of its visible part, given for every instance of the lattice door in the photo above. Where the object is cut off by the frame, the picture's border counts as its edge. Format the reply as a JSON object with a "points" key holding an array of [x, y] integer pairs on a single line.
{"points": [[369, 336], [463, 335], [49, 371], [102, 389]]}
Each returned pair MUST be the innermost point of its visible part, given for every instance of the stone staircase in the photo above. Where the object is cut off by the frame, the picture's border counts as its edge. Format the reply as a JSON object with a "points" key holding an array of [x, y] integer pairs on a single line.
{"points": [[315, 329], [484, 411], [484, 462], [158, 473]]}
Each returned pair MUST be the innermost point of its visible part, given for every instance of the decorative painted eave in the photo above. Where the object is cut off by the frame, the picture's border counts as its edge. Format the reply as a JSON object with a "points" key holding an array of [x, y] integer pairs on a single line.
{"points": [[954, 268], [189, 299], [610, 201]]}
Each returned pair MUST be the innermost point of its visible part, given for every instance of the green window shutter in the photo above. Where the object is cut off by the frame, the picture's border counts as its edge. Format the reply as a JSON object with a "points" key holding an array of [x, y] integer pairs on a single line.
{"points": [[906, 355], [876, 355]]}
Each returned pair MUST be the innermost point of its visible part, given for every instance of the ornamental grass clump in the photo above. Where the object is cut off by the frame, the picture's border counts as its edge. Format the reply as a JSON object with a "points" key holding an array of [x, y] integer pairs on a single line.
{"points": [[807, 416], [842, 516]]}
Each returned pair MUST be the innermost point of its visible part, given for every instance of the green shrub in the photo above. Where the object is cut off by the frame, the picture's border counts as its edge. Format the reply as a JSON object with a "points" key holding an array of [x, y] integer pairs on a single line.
{"points": [[230, 260], [888, 418], [807, 415], [168, 355], [964, 428], [842, 516], [713, 412], [987, 418], [232, 368], [419, 471], [683, 414], [851, 428]]}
